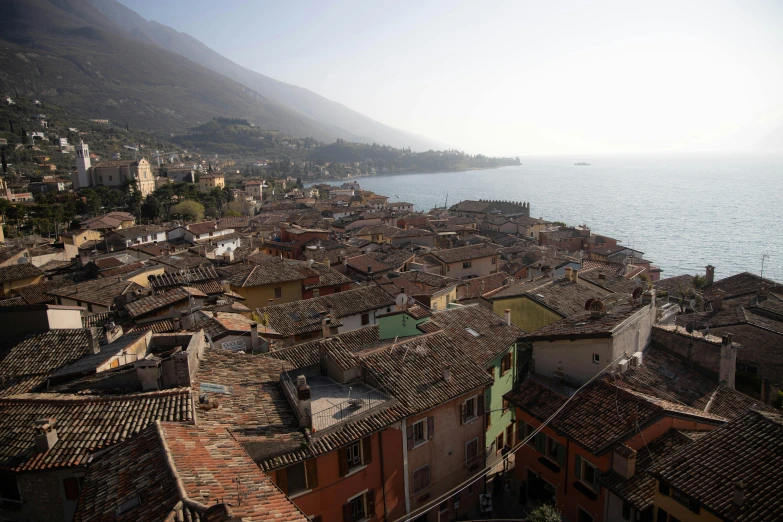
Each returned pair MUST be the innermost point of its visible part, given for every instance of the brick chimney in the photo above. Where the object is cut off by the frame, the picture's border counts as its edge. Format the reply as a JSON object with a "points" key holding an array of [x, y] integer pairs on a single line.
{"points": [[624, 461], [45, 434], [728, 361], [447, 373], [92, 343], [325, 330], [303, 396], [717, 300], [710, 276], [254, 336]]}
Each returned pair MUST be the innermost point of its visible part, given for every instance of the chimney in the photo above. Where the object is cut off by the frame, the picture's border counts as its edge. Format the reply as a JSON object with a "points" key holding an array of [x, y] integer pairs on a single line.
{"points": [[624, 461], [728, 361], [447, 373], [648, 296], [763, 293], [739, 492], [254, 335], [226, 286], [148, 373], [45, 434], [177, 324], [92, 342], [228, 257], [568, 275], [601, 278], [187, 320], [325, 330], [717, 300], [710, 276], [508, 316], [303, 395], [575, 275]]}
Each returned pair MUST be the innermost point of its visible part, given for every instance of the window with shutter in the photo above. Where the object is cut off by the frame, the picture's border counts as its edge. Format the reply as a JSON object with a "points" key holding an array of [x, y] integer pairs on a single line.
{"points": [[421, 478], [282, 480], [296, 478], [369, 500], [367, 450], [578, 467], [471, 451], [311, 472], [430, 427]]}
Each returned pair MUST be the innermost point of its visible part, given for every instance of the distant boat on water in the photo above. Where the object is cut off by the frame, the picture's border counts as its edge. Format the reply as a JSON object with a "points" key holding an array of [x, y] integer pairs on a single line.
{"points": [[582, 164]]}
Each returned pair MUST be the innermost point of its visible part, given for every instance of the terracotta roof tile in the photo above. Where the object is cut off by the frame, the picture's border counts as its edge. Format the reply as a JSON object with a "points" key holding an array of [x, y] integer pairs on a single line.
{"points": [[746, 449]]}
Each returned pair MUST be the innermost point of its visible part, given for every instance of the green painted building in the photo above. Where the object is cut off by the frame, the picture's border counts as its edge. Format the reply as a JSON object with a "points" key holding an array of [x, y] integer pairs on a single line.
{"points": [[492, 343]]}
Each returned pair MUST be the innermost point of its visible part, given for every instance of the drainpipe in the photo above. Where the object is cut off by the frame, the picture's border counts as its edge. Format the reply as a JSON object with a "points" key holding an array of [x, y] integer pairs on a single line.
{"points": [[405, 482], [383, 475]]}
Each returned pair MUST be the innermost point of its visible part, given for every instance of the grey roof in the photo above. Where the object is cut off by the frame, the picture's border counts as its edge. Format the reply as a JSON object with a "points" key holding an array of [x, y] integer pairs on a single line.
{"points": [[19, 271]]}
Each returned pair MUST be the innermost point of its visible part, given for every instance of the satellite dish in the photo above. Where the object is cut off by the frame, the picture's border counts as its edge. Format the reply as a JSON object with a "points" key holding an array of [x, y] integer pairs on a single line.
{"points": [[589, 303], [637, 292], [401, 300]]}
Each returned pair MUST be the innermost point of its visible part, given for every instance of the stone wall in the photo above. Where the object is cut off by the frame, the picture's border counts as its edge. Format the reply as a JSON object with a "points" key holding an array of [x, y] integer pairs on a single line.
{"points": [[703, 353]]}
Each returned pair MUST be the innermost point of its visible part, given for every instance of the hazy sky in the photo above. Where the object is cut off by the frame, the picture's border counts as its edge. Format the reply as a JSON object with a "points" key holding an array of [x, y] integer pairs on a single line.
{"points": [[519, 77]]}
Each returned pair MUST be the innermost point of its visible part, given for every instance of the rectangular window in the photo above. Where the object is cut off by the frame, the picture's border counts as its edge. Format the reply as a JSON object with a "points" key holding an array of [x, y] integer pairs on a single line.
{"points": [[505, 364], [587, 473], [499, 443], [365, 319], [596, 358], [584, 516], [505, 405], [419, 432], [357, 508], [278, 292], [626, 511], [9, 488], [467, 264], [469, 409], [421, 478], [471, 451], [444, 506], [354, 455], [296, 478], [494, 260]]}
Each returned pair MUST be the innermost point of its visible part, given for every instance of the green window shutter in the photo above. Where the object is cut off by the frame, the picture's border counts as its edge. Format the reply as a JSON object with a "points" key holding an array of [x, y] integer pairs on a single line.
{"points": [[561, 455], [578, 467]]}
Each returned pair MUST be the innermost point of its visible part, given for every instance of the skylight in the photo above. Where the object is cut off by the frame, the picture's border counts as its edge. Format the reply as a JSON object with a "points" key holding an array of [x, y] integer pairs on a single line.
{"points": [[473, 332]]}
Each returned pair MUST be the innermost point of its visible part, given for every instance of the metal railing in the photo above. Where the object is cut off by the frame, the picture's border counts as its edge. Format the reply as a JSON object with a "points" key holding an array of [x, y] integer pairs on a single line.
{"points": [[351, 407]]}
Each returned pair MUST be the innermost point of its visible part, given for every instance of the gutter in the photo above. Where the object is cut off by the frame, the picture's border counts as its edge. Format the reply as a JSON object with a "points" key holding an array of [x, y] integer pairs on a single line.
{"points": [[406, 484]]}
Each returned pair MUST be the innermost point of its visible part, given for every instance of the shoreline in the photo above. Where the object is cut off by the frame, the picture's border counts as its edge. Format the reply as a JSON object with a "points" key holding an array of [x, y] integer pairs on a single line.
{"points": [[385, 174]]}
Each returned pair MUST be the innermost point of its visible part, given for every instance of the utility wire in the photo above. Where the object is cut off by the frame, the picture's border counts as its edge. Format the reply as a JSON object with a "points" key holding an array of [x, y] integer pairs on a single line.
{"points": [[486, 470]]}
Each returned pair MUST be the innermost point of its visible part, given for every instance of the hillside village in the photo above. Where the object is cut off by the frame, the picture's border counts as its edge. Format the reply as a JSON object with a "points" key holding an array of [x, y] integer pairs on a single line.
{"points": [[328, 353]]}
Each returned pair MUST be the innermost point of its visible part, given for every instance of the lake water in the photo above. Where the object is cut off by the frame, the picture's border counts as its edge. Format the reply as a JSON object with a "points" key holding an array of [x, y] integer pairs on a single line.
{"points": [[683, 211]]}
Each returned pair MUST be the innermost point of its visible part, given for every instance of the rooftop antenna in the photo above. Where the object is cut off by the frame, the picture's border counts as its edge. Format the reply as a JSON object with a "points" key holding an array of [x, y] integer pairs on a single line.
{"points": [[446, 205], [764, 256]]}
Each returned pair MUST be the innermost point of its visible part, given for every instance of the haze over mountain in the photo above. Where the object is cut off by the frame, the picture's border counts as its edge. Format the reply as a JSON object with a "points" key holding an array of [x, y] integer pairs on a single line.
{"points": [[102, 60]]}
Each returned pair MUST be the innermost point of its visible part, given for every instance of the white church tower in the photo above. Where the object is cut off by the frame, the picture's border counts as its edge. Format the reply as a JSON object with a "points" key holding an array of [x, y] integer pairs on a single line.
{"points": [[82, 167]]}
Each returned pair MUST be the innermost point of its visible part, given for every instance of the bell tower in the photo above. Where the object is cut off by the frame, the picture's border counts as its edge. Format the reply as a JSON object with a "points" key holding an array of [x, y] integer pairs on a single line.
{"points": [[82, 167]]}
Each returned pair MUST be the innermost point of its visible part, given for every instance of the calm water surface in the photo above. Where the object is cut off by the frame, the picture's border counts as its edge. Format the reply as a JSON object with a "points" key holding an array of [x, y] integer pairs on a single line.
{"points": [[682, 211]]}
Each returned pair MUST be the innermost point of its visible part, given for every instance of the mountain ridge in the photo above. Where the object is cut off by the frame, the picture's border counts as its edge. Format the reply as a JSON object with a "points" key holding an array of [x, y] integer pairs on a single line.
{"points": [[298, 99]]}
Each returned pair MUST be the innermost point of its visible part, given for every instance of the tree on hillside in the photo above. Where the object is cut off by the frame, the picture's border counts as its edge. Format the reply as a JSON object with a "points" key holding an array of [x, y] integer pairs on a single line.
{"points": [[189, 210], [5, 164]]}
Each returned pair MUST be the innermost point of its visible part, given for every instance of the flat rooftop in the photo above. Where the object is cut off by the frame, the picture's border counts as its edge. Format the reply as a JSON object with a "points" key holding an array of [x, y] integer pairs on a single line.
{"points": [[333, 403]]}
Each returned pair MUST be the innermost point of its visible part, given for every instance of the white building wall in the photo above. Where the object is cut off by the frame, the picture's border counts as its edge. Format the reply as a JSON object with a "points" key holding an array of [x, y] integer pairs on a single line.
{"points": [[354, 322]]}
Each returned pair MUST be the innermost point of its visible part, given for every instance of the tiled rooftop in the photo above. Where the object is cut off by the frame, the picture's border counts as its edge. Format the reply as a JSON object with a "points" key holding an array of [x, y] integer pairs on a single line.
{"points": [[585, 326], [84, 424], [19, 271], [467, 253], [151, 303], [748, 450], [98, 291]]}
